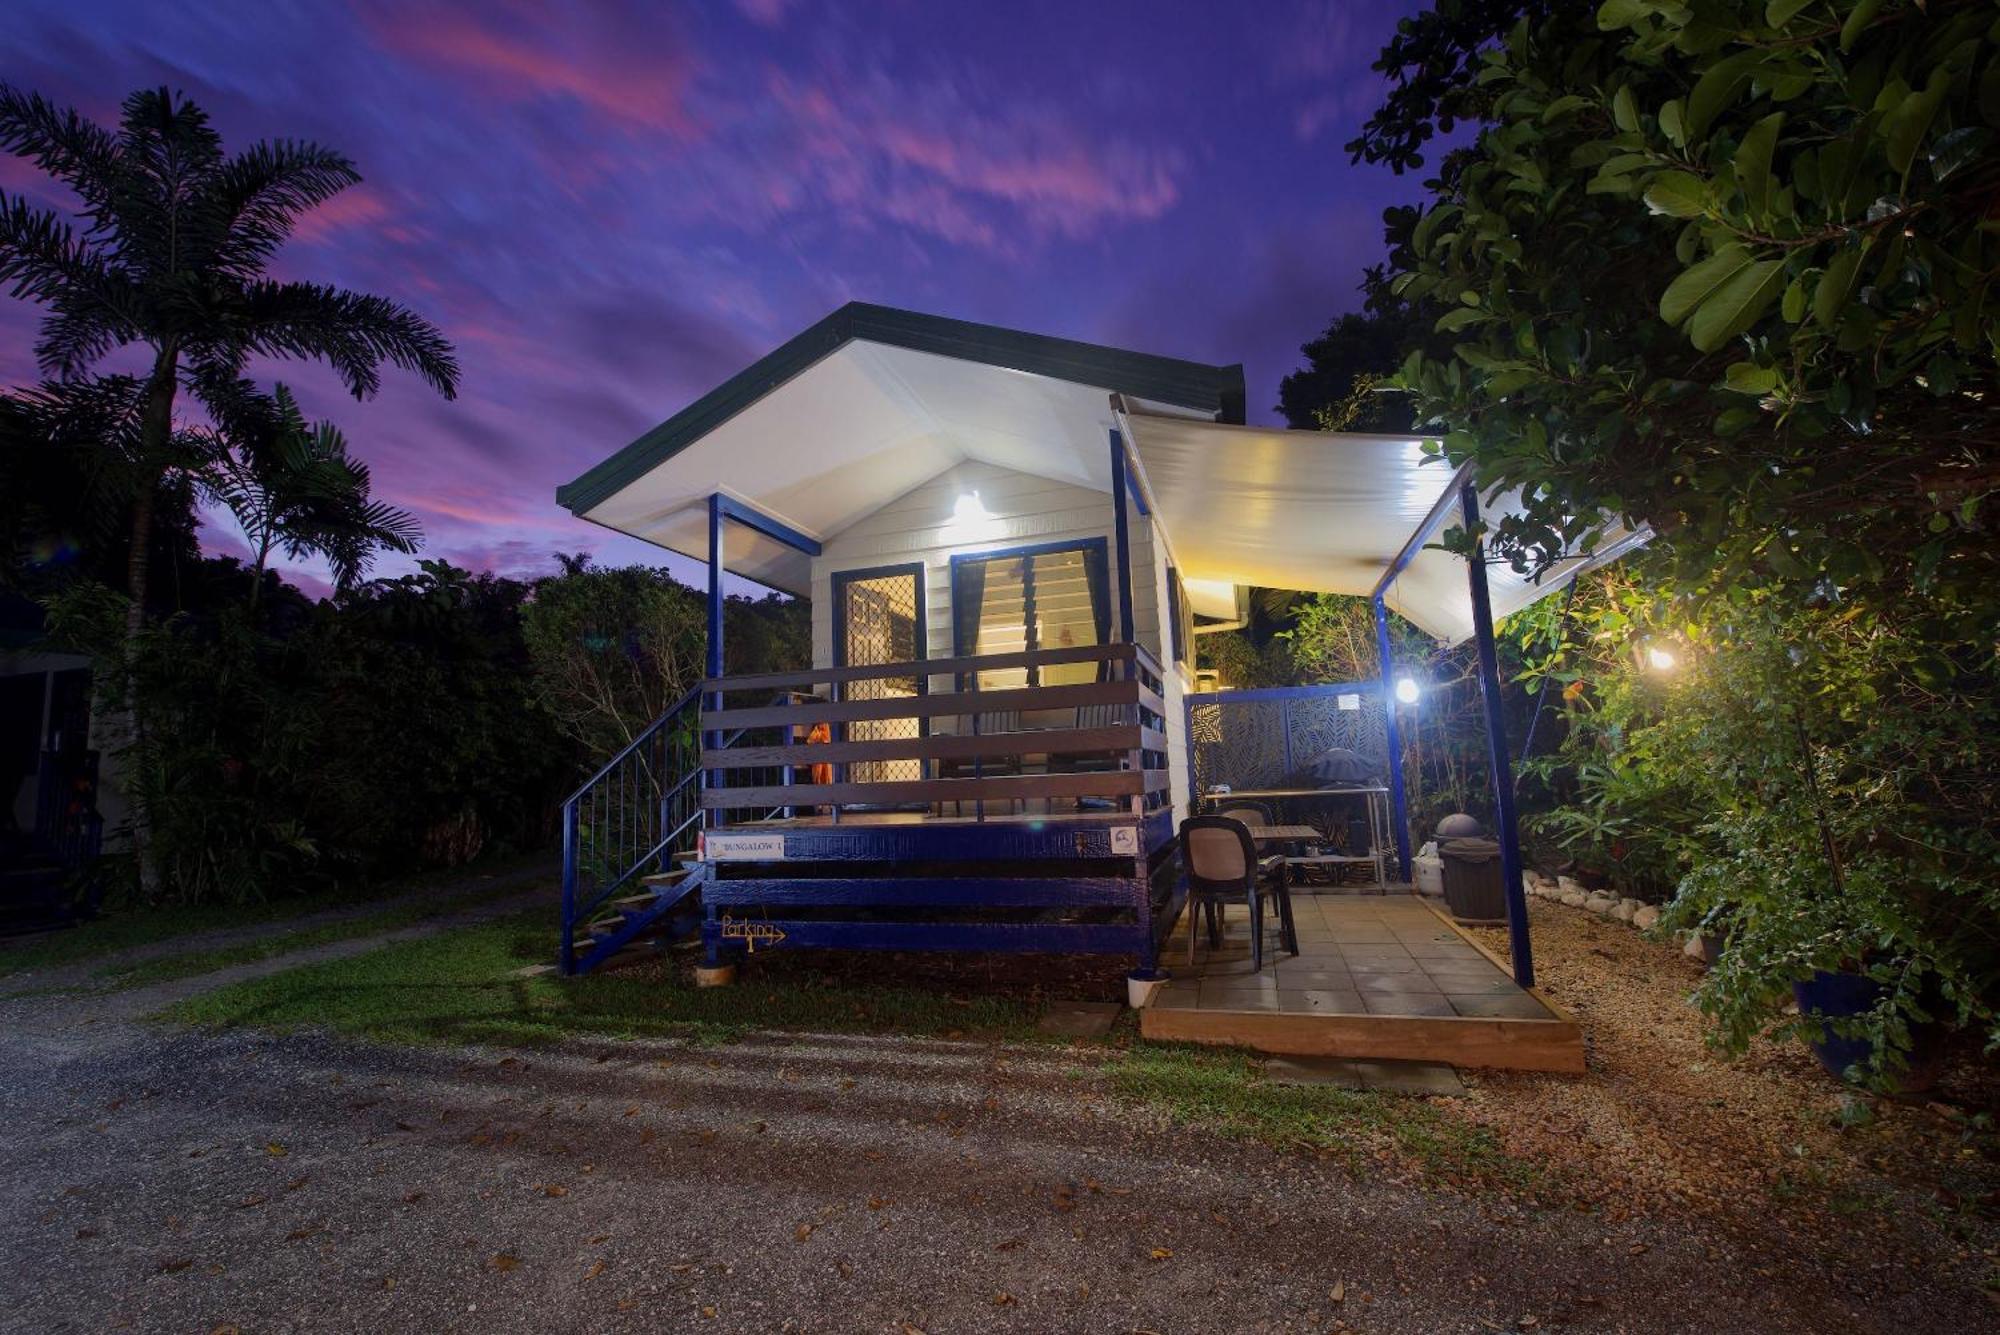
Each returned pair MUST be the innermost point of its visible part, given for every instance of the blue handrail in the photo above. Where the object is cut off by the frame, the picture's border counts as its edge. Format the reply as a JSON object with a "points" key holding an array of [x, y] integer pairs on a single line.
{"points": [[634, 812]]}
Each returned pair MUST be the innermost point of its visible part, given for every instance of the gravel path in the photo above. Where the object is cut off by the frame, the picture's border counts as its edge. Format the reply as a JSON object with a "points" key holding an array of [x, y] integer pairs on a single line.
{"points": [[95, 1016], [159, 1180]]}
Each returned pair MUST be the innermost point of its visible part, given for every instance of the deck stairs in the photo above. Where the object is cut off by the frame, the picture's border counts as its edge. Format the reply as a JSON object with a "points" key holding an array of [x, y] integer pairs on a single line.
{"points": [[630, 835]]}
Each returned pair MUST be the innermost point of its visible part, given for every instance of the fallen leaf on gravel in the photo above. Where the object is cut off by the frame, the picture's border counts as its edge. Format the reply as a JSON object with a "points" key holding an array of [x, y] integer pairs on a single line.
{"points": [[909, 1329], [846, 1083], [1338, 1293], [1529, 1322], [802, 1232], [174, 1266], [594, 1271], [1013, 1242], [253, 1199], [1119, 1191], [296, 1183], [303, 1232], [1163, 1253], [993, 1102], [632, 1111], [1003, 1300], [413, 1198], [627, 1304], [876, 1202], [275, 1150], [555, 1189], [846, 1270], [600, 1239], [647, 1135], [505, 1261], [388, 1281], [226, 1330], [404, 1126], [86, 1233], [708, 1311]]}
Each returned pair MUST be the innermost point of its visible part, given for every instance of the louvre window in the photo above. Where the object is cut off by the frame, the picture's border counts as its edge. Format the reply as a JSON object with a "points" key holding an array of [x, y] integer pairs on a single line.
{"points": [[1044, 599]]}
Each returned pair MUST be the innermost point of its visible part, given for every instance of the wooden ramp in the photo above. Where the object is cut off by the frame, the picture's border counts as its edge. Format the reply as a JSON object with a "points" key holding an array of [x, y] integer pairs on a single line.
{"points": [[1381, 977]]}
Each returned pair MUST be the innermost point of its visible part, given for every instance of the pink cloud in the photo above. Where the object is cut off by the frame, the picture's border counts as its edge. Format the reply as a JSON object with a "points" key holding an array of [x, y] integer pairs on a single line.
{"points": [[640, 79], [358, 206]]}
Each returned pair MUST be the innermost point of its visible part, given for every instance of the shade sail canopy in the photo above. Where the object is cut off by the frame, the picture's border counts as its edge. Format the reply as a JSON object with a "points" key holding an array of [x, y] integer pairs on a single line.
{"points": [[1327, 512], [868, 404]]}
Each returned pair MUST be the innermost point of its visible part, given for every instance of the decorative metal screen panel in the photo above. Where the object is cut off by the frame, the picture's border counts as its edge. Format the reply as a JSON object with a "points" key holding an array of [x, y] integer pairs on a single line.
{"points": [[879, 614], [1257, 741]]}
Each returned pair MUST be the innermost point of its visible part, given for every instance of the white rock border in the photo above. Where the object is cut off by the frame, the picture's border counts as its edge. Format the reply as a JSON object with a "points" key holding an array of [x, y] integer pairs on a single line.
{"points": [[1567, 891]]}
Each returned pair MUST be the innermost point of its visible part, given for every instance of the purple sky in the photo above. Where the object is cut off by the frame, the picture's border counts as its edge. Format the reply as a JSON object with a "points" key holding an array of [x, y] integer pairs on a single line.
{"points": [[612, 207]]}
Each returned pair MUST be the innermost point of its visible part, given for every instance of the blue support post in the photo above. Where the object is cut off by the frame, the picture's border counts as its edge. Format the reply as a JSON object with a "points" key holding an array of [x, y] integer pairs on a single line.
{"points": [[1122, 530], [1398, 803], [711, 933], [1496, 746]]}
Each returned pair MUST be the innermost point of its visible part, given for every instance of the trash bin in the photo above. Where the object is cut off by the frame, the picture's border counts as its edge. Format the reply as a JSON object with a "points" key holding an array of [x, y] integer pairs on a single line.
{"points": [[1474, 889]]}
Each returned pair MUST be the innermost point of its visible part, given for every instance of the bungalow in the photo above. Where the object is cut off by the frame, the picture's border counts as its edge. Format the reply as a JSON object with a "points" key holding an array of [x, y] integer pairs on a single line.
{"points": [[1010, 543]]}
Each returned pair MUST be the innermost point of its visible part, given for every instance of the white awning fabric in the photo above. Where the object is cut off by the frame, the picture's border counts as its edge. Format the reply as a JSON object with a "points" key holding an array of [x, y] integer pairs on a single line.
{"points": [[1326, 512]]}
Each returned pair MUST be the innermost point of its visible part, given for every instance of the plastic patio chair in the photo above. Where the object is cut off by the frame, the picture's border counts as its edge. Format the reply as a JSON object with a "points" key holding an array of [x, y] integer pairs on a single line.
{"points": [[1222, 865]]}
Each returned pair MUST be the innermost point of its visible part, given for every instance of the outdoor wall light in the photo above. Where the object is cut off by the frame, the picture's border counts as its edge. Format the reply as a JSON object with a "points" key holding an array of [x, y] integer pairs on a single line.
{"points": [[1660, 659], [1406, 690], [968, 510]]}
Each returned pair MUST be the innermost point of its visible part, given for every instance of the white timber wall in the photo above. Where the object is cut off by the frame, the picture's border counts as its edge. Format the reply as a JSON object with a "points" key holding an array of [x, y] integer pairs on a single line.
{"points": [[1177, 679], [1025, 509]]}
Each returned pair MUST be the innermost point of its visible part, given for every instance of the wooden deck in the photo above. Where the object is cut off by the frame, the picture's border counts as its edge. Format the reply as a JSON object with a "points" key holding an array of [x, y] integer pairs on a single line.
{"points": [[1382, 977]]}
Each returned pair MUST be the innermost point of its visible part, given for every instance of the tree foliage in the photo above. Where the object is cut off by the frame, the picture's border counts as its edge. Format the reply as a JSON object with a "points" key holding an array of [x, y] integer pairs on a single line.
{"points": [[1724, 268]]}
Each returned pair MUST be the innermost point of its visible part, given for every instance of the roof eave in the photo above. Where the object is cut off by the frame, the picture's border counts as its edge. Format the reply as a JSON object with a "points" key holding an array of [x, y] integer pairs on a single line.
{"points": [[1194, 385]]}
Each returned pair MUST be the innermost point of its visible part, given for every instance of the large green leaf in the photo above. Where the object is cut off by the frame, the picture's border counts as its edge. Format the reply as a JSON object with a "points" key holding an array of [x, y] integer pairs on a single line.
{"points": [[1830, 297], [1903, 129], [1737, 304], [1717, 88], [1753, 163], [1678, 194], [1780, 12], [1700, 282]]}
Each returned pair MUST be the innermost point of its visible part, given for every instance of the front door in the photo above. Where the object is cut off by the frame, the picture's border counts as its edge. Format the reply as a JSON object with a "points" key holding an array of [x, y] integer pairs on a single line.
{"points": [[879, 618]]}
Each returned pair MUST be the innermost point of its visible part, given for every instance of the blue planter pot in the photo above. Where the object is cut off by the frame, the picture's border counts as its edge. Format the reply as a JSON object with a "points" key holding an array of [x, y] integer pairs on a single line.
{"points": [[1836, 996]]}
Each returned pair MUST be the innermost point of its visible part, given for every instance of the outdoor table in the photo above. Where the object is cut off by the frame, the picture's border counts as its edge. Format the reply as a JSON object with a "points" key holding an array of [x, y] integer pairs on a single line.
{"points": [[1378, 823]]}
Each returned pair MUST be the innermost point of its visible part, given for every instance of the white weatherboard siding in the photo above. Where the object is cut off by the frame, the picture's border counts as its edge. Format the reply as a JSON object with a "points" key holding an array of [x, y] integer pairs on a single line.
{"points": [[1176, 678], [1024, 509]]}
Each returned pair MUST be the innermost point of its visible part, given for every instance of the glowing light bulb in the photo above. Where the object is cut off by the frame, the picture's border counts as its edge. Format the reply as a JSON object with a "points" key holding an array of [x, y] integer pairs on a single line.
{"points": [[1406, 690], [968, 510], [1660, 660]]}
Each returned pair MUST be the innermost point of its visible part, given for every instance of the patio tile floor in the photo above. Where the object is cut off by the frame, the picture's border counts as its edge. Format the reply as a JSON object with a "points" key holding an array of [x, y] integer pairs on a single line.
{"points": [[1376, 955]]}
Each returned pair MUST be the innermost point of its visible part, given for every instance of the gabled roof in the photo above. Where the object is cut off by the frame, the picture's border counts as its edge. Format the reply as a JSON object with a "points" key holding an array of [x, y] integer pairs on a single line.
{"points": [[1213, 391]]}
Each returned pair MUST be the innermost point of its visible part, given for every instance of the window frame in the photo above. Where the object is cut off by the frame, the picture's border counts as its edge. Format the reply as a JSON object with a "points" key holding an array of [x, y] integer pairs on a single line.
{"points": [[1100, 617]]}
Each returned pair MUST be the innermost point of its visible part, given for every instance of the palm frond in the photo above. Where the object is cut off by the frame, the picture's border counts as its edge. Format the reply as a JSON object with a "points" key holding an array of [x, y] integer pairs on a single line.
{"points": [[353, 332], [77, 152], [168, 154], [42, 259], [255, 198]]}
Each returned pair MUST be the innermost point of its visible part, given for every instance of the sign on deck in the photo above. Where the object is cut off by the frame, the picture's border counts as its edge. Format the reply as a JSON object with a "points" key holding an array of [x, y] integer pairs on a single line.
{"points": [[743, 847]]}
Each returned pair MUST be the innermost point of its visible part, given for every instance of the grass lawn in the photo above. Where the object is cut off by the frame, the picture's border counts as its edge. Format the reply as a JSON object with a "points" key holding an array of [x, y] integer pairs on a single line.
{"points": [[120, 930], [1223, 1090], [461, 986], [166, 968]]}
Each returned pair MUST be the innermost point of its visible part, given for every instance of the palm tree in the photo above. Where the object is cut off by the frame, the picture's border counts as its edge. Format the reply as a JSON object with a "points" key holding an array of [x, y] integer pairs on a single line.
{"points": [[293, 487], [172, 257]]}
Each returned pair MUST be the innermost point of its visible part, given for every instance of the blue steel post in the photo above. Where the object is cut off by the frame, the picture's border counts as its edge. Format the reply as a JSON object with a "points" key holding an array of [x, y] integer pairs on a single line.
{"points": [[569, 860], [1122, 529], [711, 931], [1396, 797], [1496, 747]]}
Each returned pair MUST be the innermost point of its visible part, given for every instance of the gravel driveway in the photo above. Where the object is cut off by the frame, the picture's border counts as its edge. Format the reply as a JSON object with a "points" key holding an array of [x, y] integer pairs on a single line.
{"points": [[170, 1181]]}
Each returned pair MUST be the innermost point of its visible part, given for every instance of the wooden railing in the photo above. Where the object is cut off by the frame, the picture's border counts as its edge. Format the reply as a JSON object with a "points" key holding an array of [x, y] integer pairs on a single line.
{"points": [[969, 750]]}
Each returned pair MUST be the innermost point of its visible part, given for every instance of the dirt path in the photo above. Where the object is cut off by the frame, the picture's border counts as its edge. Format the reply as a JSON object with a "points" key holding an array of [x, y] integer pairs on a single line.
{"points": [[87, 973], [88, 1015], [800, 1183], [171, 1181]]}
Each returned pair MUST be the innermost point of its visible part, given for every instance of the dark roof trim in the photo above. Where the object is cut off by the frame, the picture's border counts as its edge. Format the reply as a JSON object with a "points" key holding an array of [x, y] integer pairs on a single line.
{"points": [[1212, 389]]}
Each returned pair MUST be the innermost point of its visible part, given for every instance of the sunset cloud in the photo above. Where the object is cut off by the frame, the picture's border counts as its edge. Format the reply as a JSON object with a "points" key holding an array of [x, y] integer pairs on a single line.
{"points": [[612, 206]]}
